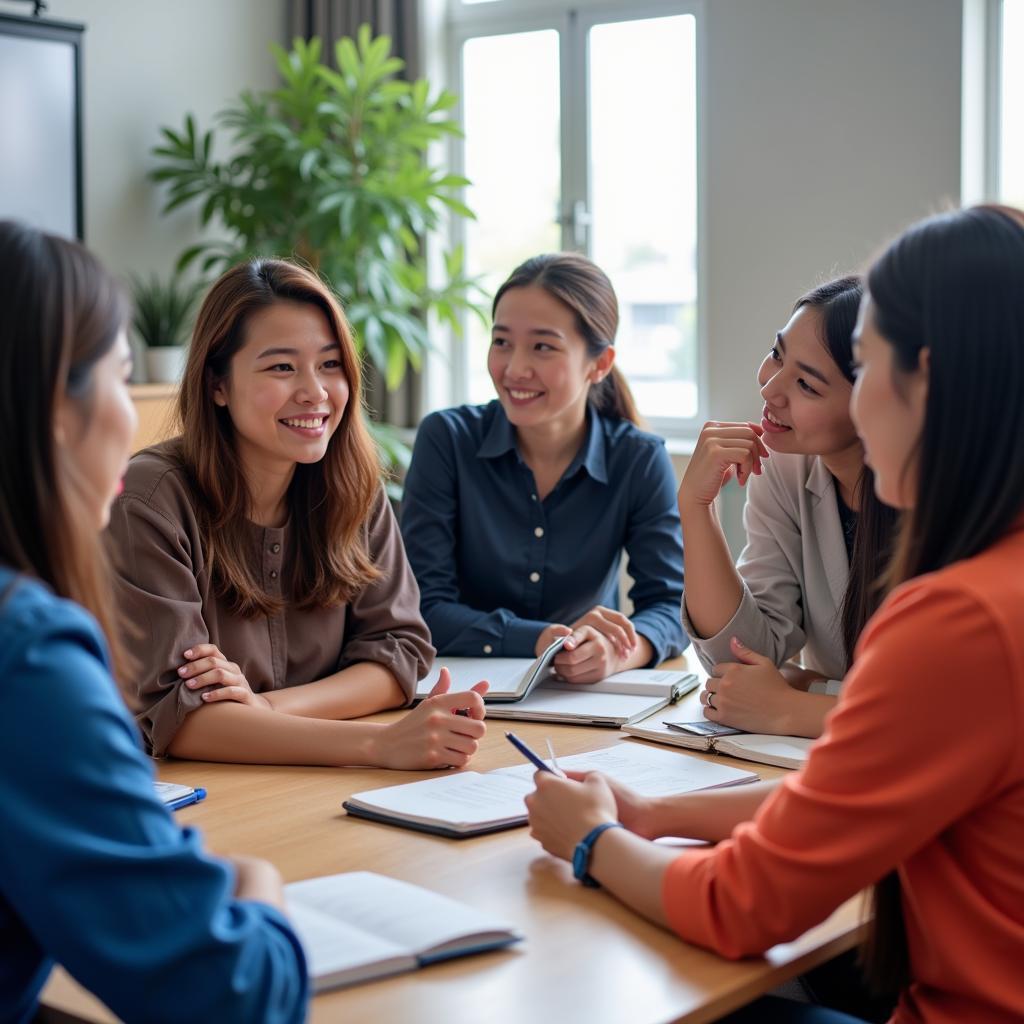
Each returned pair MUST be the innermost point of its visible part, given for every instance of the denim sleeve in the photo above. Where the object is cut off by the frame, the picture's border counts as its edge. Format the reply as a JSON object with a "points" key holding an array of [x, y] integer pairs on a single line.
{"points": [[95, 869], [654, 546], [430, 512]]}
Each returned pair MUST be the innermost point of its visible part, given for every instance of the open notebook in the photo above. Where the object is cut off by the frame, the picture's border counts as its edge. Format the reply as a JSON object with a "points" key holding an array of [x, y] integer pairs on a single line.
{"points": [[470, 803], [782, 751], [526, 690], [359, 926]]}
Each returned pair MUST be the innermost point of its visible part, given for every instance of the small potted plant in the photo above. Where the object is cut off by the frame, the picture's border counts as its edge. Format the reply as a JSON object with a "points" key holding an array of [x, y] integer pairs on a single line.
{"points": [[163, 320]]}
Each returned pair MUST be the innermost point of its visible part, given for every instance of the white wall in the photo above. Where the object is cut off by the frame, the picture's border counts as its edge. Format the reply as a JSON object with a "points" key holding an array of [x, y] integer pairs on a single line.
{"points": [[147, 63], [830, 126]]}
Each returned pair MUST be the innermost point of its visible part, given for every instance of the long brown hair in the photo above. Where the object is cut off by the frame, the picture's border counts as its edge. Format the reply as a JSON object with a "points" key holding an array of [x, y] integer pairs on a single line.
{"points": [[954, 285], [838, 302], [62, 313], [329, 501], [582, 286]]}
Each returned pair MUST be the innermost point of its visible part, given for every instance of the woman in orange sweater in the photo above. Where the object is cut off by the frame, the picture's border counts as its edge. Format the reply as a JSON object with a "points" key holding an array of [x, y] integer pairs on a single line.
{"points": [[917, 784]]}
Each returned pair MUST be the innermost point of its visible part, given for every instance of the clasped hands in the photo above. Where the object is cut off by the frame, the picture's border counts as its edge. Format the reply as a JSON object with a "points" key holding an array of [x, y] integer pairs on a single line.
{"points": [[598, 644]]}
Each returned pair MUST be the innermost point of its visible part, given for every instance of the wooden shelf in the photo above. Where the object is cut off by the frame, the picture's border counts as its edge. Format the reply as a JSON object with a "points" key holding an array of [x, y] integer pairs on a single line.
{"points": [[147, 392], [156, 405]]}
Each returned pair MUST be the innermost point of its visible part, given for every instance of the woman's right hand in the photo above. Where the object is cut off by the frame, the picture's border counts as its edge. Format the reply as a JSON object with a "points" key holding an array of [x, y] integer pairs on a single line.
{"points": [[443, 731], [548, 635], [632, 809], [723, 450]]}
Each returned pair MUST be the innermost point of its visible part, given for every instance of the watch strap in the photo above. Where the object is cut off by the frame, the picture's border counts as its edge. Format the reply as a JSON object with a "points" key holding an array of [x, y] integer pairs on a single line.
{"points": [[584, 849]]}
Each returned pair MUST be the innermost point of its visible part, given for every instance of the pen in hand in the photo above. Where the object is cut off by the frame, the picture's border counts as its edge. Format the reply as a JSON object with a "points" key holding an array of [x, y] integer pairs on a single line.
{"points": [[533, 758]]}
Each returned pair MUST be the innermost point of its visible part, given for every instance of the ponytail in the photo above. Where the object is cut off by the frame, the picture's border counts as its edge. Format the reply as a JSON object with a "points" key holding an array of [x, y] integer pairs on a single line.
{"points": [[613, 398]]}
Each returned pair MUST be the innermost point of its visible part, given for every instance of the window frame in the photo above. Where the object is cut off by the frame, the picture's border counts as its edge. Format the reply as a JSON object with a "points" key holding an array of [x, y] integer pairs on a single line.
{"points": [[573, 19]]}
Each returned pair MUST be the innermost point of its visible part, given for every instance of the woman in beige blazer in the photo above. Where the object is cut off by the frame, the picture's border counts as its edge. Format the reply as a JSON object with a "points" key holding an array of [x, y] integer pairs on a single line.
{"points": [[816, 534]]}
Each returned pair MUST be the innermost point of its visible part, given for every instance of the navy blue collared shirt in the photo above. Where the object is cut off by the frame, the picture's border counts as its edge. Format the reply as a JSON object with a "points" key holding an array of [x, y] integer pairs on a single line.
{"points": [[496, 565]]}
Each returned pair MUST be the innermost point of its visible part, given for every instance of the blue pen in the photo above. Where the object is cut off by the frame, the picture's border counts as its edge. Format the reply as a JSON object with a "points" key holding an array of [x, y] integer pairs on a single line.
{"points": [[192, 798], [530, 755]]}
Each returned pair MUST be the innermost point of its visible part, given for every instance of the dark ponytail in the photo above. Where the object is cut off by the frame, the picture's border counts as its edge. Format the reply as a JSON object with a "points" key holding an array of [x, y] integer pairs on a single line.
{"points": [[583, 287], [838, 302]]}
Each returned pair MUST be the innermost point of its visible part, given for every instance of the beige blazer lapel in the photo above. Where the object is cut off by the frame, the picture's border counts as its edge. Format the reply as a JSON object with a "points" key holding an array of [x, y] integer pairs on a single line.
{"points": [[828, 530]]}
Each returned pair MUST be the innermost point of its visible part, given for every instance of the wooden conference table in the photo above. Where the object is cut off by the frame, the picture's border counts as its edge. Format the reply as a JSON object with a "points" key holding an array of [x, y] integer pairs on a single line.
{"points": [[584, 957]]}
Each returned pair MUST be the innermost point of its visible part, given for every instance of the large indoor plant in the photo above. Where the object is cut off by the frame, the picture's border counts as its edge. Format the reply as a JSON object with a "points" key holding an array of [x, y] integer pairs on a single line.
{"points": [[332, 168]]}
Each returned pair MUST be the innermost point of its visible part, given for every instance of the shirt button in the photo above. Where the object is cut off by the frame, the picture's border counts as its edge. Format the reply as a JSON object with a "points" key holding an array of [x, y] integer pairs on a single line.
{"points": [[275, 548], [535, 577], [488, 649], [273, 574], [533, 497], [538, 531]]}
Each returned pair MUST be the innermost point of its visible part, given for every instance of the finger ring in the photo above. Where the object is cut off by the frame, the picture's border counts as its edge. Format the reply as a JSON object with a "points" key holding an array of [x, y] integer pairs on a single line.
{"points": [[710, 705]]}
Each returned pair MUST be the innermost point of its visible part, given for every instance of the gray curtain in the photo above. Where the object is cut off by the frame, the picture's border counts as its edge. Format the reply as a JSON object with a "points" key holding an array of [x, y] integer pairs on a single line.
{"points": [[330, 20]]}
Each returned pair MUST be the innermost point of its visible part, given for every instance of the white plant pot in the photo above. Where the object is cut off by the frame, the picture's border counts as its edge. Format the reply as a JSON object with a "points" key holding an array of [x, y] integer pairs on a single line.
{"points": [[165, 365]]}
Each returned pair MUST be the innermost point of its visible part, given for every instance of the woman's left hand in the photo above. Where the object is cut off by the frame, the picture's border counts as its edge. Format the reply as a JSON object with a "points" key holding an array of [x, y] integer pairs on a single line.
{"points": [[207, 667], [749, 694], [563, 811]]}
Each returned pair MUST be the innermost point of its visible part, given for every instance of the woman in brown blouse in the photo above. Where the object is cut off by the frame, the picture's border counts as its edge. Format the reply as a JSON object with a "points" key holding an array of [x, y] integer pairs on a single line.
{"points": [[261, 573]]}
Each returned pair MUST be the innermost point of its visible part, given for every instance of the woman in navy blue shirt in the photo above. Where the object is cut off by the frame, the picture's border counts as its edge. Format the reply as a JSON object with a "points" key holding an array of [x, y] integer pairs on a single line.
{"points": [[516, 513], [94, 874]]}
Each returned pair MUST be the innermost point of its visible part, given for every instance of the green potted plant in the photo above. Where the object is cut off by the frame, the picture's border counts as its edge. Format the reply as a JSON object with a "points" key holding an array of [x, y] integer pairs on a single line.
{"points": [[332, 168], [162, 320]]}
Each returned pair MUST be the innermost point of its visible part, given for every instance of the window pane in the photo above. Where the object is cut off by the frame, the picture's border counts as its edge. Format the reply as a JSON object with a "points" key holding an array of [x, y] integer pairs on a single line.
{"points": [[643, 166], [510, 88], [1011, 133]]}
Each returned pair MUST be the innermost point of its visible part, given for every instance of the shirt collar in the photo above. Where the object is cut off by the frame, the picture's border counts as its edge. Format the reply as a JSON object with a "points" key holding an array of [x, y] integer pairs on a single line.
{"points": [[501, 438]]}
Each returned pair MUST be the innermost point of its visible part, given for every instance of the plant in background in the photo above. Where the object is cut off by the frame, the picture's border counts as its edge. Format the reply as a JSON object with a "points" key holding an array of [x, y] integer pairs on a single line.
{"points": [[332, 168], [164, 310], [162, 318]]}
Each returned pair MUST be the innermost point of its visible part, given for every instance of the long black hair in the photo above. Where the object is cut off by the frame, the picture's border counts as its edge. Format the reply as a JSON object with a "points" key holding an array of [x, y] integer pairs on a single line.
{"points": [[954, 285]]}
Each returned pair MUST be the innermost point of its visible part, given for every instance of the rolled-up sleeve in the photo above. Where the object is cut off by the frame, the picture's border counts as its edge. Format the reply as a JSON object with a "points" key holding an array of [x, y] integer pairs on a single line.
{"points": [[769, 618], [654, 546], [97, 872], [384, 624], [156, 584]]}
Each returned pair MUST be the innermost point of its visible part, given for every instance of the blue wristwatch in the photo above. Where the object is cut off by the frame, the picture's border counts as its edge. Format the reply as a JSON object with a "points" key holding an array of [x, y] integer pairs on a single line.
{"points": [[581, 855]]}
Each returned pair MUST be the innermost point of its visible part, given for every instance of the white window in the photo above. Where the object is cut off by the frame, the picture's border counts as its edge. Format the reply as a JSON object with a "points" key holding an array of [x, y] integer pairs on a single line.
{"points": [[581, 132], [1010, 162]]}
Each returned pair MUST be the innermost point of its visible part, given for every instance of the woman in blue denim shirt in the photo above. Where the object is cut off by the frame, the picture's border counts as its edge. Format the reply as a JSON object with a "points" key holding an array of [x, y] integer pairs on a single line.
{"points": [[94, 874]]}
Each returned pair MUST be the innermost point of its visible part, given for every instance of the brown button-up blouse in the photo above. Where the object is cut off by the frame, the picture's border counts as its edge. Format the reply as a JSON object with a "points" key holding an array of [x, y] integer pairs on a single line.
{"points": [[166, 594]]}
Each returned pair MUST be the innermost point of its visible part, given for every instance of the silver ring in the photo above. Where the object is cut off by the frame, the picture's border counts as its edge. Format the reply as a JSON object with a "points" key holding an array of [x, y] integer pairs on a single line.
{"points": [[710, 705]]}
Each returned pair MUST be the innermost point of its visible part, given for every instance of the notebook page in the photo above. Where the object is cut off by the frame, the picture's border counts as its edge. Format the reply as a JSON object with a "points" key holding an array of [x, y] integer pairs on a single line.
{"points": [[652, 682], [334, 946], [398, 914], [503, 674], [651, 772], [585, 704], [171, 791], [466, 799], [786, 751]]}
